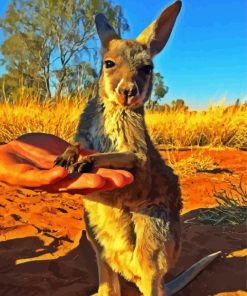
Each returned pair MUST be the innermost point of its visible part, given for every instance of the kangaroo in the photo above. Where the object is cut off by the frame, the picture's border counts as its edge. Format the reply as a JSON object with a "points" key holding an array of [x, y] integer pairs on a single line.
{"points": [[135, 230]]}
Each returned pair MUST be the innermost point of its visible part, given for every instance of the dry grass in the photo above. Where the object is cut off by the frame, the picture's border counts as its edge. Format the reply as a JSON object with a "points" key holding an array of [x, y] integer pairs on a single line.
{"points": [[218, 126], [193, 164], [30, 115], [232, 207]]}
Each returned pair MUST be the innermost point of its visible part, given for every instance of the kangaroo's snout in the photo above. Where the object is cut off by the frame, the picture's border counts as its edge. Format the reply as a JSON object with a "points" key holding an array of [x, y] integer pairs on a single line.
{"points": [[127, 91]]}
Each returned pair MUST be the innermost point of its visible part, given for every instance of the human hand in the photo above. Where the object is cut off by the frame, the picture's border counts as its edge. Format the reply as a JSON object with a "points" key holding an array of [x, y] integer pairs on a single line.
{"points": [[28, 162]]}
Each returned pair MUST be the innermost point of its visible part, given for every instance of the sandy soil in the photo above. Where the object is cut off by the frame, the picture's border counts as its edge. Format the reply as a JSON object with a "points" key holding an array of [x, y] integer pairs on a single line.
{"points": [[43, 252]]}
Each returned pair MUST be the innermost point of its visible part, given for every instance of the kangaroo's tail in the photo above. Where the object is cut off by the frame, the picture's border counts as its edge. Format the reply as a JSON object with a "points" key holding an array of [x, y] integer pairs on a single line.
{"points": [[187, 276]]}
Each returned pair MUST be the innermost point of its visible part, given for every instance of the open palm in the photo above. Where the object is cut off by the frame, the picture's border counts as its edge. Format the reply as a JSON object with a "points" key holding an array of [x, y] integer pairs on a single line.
{"points": [[28, 162]]}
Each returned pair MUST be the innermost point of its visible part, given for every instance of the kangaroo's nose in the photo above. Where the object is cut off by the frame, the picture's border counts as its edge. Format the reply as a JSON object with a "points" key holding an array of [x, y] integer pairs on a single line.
{"points": [[128, 91]]}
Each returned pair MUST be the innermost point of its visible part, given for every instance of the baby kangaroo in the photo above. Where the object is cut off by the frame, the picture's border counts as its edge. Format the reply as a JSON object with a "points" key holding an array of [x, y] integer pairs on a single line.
{"points": [[135, 230]]}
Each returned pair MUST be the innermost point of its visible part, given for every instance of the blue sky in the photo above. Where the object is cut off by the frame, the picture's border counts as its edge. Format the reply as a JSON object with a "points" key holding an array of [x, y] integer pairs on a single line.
{"points": [[206, 56]]}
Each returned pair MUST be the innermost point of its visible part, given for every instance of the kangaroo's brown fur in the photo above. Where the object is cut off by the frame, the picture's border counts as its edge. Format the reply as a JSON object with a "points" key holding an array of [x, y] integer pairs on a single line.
{"points": [[135, 230]]}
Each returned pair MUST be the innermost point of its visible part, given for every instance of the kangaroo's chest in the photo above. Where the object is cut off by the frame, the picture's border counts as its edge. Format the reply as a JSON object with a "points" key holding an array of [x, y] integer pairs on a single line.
{"points": [[105, 134], [114, 130]]}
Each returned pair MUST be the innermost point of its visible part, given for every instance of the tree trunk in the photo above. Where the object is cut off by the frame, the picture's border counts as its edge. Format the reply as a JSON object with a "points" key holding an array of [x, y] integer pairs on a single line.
{"points": [[59, 90]]}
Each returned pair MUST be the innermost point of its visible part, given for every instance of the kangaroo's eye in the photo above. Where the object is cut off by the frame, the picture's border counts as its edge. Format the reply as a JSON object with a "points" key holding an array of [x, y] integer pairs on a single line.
{"points": [[109, 64], [147, 69]]}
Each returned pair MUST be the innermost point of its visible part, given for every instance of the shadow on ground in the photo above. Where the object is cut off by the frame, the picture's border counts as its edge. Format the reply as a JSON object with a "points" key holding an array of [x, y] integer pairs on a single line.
{"points": [[73, 274], [76, 272]]}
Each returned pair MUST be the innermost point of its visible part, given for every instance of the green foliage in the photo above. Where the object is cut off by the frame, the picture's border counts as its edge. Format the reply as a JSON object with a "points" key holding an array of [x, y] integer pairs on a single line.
{"points": [[49, 43], [179, 104], [158, 92]]}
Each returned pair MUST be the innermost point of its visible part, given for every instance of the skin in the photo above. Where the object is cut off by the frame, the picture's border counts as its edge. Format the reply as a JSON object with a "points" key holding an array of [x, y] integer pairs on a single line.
{"points": [[28, 162]]}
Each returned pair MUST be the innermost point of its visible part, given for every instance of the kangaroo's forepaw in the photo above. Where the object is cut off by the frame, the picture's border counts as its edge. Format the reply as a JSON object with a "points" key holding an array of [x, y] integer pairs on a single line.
{"points": [[65, 161], [68, 158], [84, 166]]}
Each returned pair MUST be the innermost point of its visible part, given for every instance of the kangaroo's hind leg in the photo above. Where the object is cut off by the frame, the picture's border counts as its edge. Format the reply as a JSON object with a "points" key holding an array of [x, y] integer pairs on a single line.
{"points": [[108, 279], [153, 285], [154, 267]]}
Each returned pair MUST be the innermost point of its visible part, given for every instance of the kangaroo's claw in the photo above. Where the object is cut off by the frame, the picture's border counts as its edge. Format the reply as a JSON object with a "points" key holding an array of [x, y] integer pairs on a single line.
{"points": [[68, 158], [65, 161], [84, 166]]}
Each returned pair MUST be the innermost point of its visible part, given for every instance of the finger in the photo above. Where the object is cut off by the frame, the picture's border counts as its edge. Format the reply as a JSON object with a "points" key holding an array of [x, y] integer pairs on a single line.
{"points": [[79, 182], [129, 178], [118, 178], [113, 179], [104, 179], [32, 177]]}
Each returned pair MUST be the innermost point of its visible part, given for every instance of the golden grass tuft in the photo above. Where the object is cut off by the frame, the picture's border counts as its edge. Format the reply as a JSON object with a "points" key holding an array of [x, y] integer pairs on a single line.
{"points": [[193, 164], [28, 115], [216, 127]]}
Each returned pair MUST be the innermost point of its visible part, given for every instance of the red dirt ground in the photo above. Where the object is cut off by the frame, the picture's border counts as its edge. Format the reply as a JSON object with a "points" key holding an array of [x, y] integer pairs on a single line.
{"points": [[42, 251]]}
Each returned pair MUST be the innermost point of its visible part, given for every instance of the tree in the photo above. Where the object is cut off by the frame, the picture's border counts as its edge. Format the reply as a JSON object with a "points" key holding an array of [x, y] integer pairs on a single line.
{"points": [[49, 42], [237, 103], [179, 104], [158, 92], [22, 67]]}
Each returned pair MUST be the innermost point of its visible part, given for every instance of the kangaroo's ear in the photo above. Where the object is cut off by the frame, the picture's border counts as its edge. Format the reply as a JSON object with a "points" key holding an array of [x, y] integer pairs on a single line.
{"points": [[156, 35], [105, 30]]}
